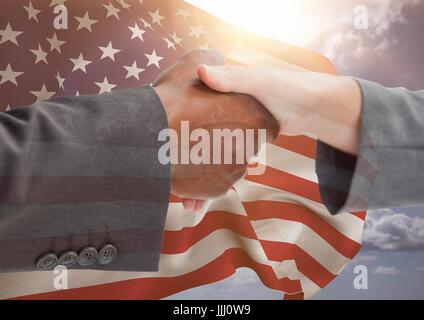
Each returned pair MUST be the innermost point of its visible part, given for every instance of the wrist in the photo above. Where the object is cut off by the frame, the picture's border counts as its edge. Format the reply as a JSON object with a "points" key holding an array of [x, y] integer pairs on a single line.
{"points": [[336, 115], [168, 106]]}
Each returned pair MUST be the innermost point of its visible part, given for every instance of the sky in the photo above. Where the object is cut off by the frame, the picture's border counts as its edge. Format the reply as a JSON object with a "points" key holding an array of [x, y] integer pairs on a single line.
{"points": [[297, 22], [389, 51]]}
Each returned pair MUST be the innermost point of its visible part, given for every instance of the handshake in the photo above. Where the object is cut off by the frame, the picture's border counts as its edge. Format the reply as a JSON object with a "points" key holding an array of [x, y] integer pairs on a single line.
{"points": [[212, 136], [202, 95]]}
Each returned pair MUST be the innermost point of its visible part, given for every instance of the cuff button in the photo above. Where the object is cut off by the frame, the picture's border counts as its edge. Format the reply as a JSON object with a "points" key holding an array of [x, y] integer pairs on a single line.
{"points": [[107, 254], [47, 262], [68, 258], [87, 256]]}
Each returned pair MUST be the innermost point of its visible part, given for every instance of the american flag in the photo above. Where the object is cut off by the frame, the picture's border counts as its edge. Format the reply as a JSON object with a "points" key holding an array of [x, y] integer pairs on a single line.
{"points": [[274, 223]]}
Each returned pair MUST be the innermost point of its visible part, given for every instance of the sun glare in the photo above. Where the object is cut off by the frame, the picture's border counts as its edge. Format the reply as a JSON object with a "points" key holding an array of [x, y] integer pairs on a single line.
{"points": [[292, 21]]}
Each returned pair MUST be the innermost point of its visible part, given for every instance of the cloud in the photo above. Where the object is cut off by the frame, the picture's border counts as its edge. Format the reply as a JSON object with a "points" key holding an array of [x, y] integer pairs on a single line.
{"points": [[388, 271], [382, 16], [389, 40], [388, 230], [244, 284], [246, 277], [420, 269], [387, 13], [361, 258]]}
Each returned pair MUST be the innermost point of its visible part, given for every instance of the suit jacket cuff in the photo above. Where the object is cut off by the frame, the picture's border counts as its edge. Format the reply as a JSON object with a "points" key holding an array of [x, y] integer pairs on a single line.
{"points": [[352, 183], [84, 171], [388, 170]]}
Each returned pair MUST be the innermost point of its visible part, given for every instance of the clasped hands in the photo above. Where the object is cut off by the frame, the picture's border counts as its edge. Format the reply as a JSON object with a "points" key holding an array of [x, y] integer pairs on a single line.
{"points": [[201, 90], [186, 99]]}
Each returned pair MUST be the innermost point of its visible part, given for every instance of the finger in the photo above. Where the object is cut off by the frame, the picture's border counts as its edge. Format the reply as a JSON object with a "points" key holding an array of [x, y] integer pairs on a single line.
{"points": [[188, 204], [199, 205], [228, 78]]}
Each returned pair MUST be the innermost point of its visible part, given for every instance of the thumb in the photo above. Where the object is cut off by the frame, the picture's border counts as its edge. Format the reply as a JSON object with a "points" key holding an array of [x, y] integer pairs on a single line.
{"points": [[227, 78]]}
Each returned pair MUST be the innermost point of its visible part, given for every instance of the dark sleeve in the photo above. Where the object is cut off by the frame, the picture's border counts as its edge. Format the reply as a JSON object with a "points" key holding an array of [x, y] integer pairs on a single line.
{"points": [[81, 173], [388, 171]]}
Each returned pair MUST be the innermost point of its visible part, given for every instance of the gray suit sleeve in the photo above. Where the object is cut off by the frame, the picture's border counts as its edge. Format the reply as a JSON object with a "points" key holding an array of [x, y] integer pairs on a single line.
{"points": [[388, 169], [79, 172]]}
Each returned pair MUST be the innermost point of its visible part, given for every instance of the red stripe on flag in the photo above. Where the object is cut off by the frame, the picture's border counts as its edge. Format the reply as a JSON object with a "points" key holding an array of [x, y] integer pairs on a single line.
{"points": [[289, 183], [297, 296], [361, 215], [260, 210], [312, 269], [300, 144], [179, 241]]}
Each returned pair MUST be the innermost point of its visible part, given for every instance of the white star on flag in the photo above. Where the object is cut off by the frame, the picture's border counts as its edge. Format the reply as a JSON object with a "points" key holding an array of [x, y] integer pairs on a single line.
{"points": [[60, 80], [55, 43], [153, 59], [9, 75], [156, 17], [32, 12], [109, 52], [133, 71], [176, 39], [137, 32], [169, 43], [43, 94], [40, 55], [182, 13], [146, 24], [197, 31], [124, 4], [9, 35], [85, 22], [80, 63], [111, 10], [57, 2], [105, 86]]}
